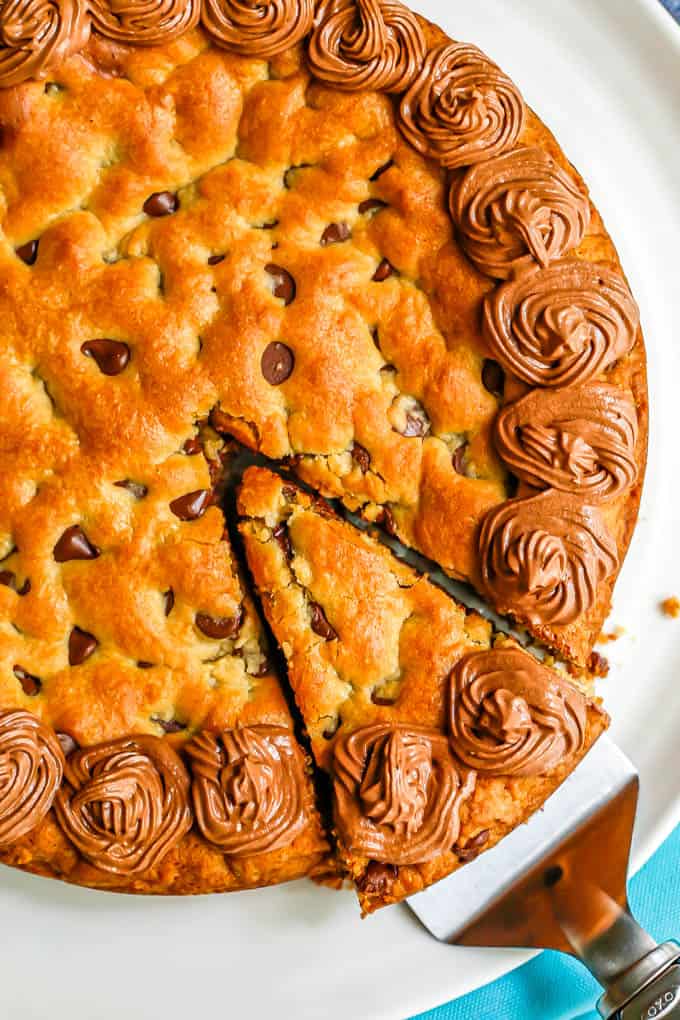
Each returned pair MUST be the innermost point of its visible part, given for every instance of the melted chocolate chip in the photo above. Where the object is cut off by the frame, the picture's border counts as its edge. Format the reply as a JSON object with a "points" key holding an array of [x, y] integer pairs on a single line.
{"points": [[384, 270], [135, 489], [214, 260], [388, 522], [458, 458], [28, 252], [168, 725], [277, 363], [335, 233], [493, 377], [408, 417], [161, 203], [377, 700], [381, 170], [192, 446], [219, 627], [371, 205], [289, 492], [30, 684], [68, 744], [168, 601], [144, 664], [74, 545], [378, 878], [9, 579], [320, 624], [362, 457], [81, 645], [281, 536], [473, 846], [283, 284], [111, 356], [192, 505]]}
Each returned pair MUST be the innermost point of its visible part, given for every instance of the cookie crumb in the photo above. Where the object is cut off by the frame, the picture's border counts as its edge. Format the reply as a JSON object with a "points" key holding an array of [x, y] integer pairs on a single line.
{"points": [[612, 635], [597, 664], [671, 607]]}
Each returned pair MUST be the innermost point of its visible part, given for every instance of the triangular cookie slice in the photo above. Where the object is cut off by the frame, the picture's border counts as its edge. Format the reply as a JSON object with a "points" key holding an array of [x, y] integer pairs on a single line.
{"points": [[439, 737]]}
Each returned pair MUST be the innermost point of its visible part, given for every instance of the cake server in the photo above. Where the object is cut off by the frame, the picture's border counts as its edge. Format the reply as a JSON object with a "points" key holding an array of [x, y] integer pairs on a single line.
{"points": [[559, 882]]}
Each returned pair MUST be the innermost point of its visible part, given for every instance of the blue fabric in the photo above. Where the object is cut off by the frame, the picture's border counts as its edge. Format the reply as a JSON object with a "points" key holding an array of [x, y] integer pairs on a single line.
{"points": [[555, 987]]}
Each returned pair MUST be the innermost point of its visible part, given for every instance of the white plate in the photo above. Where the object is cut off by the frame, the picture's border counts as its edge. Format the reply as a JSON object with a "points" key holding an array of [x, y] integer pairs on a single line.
{"points": [[605, 75]]}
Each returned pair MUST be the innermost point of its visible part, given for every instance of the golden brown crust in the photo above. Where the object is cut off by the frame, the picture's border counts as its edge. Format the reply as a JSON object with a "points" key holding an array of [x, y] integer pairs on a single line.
{"points": [[384, 655]]}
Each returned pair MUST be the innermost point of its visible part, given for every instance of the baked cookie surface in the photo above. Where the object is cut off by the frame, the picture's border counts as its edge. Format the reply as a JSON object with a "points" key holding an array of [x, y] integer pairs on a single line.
{"points": [[345, 242]]}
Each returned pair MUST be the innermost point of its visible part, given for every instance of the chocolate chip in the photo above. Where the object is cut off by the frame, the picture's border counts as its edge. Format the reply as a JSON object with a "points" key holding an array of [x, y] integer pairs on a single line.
{"points": [[283, 284], [161, 203], [493, 377], [74, 545], [388, 522], [68, 744], [192, 446], [378, 878], [381, 170], [408, 417], [144, 664], [81, 645], [378, 700], [320, 624], [111, 356], [219, 627], [384, 270], [473, 846], [9, 579], [289, 492], [361, 455], [214, 260], [335, 233], [28, 252], [168, 725], [168, 601], [458, 458], [269, 225], [30, 684], [277, 363], [281, 536], [371, 205], [135, 489], [192, 505]]}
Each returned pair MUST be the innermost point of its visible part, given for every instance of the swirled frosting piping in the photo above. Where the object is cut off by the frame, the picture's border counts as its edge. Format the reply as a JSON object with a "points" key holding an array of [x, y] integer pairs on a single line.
{"points": [[144, 22], [366, 44], [461, 108], [579, 440], [517, 207], [124, 804], [562, 325], [257, 28], [31, 766], [248, 788], [397, 793], [543, 558], [510, 715], [35, 34]]}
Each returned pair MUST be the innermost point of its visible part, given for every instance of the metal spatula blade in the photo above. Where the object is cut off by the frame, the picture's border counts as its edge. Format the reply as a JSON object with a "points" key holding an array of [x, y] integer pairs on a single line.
{"points": [[559, 882]]}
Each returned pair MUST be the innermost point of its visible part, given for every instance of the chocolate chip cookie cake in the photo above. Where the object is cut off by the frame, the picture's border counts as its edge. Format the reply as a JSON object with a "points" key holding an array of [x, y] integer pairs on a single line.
{"points": [[323, 231]]}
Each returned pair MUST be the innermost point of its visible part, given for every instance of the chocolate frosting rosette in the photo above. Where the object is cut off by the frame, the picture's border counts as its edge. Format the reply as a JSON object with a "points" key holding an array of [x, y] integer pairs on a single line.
{"points": [[144, 22], [35, 34], [248, 788], [579, 440], [398, 793], [125, 803], [520, 206], [461, 108], [257, 28], [366, 44], [31, 767]]}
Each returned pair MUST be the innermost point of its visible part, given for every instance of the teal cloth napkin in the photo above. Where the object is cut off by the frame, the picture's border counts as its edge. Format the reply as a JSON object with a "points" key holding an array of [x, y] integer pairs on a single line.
{"points": [[555, 987]]}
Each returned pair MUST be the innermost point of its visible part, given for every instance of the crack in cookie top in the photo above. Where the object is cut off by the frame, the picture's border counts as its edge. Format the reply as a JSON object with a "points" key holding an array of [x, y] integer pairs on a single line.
{"points": [[397, 793], [561, 325], [248, 788], [510, 715], [31, 767], [144, 22], [579, 440], [461, 108], [124, 803], [36, 34], [366, 44], [257, 28], [517, 207], [543, 558]]}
